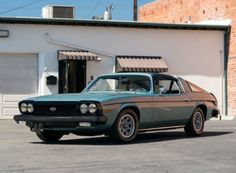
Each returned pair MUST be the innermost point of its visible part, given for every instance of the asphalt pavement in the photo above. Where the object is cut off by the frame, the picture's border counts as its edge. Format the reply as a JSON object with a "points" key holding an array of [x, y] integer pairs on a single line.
{"points": [[165, 152]]}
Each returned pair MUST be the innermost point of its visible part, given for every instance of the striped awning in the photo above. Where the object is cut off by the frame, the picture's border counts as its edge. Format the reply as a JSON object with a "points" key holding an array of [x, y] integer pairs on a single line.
{"points": [[77, 55], [141, 64]]}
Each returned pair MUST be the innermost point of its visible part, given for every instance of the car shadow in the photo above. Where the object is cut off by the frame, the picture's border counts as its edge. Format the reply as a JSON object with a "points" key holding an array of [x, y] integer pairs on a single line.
{"points": [[168, 136], [141, 138]]}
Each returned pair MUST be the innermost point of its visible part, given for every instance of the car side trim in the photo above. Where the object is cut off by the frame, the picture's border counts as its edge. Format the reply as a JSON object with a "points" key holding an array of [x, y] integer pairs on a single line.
{"points": [[160, 128]]}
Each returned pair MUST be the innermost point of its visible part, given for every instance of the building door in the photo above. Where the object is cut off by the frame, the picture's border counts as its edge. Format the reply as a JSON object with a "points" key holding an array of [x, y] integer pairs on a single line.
{"points": [[18, 80], [72, 76]]}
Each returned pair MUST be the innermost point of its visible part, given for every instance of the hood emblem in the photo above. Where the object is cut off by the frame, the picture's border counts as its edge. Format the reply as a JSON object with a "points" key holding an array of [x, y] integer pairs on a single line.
{"points": [[53, 109]]}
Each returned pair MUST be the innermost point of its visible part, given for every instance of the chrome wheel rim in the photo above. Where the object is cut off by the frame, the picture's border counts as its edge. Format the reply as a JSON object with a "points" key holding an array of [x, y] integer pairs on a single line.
{"points": [[198, 121], [127, 126]]}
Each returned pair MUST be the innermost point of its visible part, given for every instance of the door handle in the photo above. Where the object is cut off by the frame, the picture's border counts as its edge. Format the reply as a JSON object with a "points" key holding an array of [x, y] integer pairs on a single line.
{"points": [[186, 100]]}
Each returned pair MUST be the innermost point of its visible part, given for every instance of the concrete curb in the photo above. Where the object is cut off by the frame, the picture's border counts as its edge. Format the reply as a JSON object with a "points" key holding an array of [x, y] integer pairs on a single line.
{"points": [[223, 117]]}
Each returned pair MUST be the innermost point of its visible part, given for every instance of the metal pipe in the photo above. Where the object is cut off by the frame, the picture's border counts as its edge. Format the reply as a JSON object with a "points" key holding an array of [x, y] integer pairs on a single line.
{"points": [[226, 58], [61, 43], [135, 17]]}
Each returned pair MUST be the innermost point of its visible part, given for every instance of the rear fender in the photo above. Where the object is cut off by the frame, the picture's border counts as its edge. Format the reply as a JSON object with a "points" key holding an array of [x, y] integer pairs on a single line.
{"points": [[204, 108]]}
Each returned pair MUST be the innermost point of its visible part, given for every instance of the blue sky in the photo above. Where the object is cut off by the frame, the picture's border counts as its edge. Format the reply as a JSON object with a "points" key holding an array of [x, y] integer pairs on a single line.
{"points": [[85, 9]]}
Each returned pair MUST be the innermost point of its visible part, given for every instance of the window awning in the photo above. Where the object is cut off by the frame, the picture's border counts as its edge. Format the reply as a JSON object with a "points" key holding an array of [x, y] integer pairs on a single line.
{"points": [[141, 64], [77, 55]]}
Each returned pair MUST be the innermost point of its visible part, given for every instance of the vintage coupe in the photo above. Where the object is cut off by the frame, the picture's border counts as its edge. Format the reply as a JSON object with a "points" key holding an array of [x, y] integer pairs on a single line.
{"points": [[121, 105]]}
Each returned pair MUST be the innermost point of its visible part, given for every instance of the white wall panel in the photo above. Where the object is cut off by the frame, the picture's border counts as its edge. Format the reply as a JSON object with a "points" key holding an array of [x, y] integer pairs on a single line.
{"points": [[193, 54]]}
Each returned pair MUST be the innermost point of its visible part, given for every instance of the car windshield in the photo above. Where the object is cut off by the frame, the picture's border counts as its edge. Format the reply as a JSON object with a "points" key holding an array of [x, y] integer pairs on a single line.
{"points": [[121, 83]]}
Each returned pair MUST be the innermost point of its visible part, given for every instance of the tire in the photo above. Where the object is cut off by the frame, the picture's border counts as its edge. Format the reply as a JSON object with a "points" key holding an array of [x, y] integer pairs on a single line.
{"points": [[48, 136], [195, 125], [125, 127]]}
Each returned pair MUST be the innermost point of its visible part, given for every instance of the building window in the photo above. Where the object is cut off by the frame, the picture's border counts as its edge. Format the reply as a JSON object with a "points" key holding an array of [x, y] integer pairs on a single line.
{"points": [[203, 11]]}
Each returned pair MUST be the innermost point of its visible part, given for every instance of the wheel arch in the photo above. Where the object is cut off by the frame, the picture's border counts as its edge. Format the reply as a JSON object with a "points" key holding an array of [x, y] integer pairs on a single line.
{"points": [[115, 132], [133, 107], [203, 107]]}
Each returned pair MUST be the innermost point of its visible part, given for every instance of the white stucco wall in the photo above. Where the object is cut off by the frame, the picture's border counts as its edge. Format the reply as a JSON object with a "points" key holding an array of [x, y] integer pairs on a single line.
{"points": [[193, 54], [96, 68]]}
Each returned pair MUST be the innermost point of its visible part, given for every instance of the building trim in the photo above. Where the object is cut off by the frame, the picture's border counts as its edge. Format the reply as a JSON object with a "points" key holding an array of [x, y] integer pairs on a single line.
{"points": [[105, 23]]}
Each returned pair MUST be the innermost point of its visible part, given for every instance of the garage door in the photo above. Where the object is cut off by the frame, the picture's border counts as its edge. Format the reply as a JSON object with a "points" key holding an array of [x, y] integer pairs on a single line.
{"points": [[18, 80]]}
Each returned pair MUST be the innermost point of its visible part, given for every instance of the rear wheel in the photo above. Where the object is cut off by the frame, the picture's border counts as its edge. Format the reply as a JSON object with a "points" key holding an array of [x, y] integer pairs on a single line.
{"points": [[195, 125], [48, 136], [126, 126]]}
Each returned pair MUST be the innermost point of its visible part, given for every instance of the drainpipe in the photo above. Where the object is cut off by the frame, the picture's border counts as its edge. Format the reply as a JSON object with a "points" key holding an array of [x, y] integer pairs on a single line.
{"points": [[226, 54], [135, 17]]}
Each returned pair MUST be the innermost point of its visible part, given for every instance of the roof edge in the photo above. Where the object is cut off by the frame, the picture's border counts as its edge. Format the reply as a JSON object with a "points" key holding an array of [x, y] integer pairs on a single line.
{"points": [[112, 23]]}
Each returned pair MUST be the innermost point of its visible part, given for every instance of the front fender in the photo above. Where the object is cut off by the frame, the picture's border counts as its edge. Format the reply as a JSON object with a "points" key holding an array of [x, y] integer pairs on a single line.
{"points": [[128, 105], [112, 111]]}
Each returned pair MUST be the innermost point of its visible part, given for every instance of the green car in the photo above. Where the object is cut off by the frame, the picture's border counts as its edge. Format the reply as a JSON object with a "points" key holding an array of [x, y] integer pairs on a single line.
{"points": [[120, 106]]}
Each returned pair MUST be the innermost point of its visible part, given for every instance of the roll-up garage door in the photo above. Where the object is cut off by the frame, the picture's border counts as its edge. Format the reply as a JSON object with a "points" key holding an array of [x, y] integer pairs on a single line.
{"points": [[18, 80]]}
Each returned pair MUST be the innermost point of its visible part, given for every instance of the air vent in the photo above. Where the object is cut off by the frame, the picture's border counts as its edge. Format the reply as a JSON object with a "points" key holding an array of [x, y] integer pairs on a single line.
{"points": [[58, 11]]}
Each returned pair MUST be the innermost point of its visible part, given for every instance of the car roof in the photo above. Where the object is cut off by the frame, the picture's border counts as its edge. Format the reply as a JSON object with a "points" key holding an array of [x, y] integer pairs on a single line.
{"points": [[158, 75]]}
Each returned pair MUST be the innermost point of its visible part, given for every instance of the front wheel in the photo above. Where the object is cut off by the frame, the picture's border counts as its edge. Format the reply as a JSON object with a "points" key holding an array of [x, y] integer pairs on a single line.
{"points": [[195, 125], [126, 126], [48, 136]]}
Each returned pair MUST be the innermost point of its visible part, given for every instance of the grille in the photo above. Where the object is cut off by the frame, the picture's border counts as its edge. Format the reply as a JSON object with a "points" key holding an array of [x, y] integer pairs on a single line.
{"points": [[56, 108]]}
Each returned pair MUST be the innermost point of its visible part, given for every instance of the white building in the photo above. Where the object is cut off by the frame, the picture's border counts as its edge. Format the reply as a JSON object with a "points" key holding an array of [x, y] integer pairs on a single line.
{"points": [[33, 51]]}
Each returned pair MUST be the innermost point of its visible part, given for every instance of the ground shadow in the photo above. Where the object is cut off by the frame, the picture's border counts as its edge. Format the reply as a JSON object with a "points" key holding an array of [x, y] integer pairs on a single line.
{"points": [[141, 138]]}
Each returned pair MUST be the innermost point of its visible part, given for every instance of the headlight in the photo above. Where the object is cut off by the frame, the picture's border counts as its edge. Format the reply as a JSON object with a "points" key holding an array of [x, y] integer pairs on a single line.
{"points": [[23, 107], [84, 108], [92, 108], [30, 108]]}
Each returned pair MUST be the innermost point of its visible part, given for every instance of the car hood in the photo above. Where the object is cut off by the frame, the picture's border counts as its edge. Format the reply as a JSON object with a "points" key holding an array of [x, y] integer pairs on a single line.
{"points": [[88, 96]]}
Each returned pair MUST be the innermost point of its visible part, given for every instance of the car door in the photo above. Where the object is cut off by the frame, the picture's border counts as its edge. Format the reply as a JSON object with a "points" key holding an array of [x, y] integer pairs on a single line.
{"points": [[171, 104]]}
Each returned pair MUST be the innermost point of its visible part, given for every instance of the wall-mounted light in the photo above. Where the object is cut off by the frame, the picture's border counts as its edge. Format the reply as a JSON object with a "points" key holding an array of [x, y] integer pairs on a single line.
{"points": [[4, 33], [99, 59]]}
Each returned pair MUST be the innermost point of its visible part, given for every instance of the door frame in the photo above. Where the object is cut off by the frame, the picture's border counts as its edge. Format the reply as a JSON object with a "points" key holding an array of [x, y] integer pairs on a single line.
{"points": [[61, 84]]}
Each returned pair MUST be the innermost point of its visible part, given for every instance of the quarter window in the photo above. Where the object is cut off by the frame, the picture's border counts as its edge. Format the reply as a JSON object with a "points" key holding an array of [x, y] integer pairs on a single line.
{"points": [[195, 88]]}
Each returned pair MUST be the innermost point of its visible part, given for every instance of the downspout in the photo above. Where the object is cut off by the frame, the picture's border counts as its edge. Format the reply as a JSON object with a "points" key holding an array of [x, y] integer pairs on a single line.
{"points": [[61, 43], [226, 57]]}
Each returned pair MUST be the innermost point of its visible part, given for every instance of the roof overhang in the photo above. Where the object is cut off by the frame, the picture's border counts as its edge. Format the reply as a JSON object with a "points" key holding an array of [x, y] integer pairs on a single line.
{"points": [[111, 23]]}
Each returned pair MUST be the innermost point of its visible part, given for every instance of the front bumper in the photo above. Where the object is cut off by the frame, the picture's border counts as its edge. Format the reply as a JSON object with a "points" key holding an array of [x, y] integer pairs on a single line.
{"points": [[59, 119], [64, 123]]}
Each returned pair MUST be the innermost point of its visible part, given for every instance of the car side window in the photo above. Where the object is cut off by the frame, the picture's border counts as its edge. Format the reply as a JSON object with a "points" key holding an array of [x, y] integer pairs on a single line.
{"points": [[166, 87], [162, 86], [175, 88]]}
